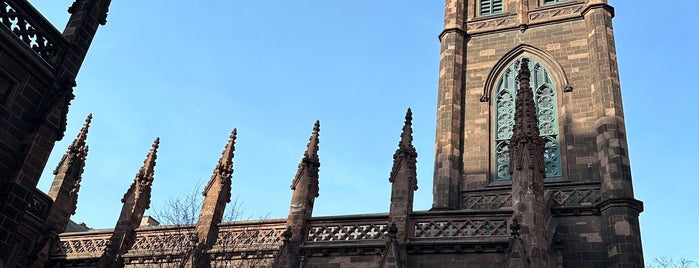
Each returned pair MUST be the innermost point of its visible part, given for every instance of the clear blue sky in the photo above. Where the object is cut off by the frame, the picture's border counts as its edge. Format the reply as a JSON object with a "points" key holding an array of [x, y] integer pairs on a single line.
{"points": [[189, 72]]}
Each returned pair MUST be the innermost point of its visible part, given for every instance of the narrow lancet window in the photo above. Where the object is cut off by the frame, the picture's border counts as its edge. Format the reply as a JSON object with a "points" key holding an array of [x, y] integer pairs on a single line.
{"points": [[544, 89]]}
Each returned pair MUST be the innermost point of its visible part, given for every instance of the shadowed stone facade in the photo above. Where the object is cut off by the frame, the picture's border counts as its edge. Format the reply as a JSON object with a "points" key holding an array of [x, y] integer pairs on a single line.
{"points": [[531, 161]]}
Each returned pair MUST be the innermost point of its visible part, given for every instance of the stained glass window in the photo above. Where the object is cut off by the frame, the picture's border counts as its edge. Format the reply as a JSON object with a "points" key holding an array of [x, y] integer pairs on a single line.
{"points": [[544, 89]]}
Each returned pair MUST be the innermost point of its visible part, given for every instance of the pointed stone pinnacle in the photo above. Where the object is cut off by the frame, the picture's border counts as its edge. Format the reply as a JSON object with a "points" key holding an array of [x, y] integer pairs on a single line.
{"points": [[311, 153], [526, 121], [405, 155], [86, 126], [310, 161], [525, 135], [79, 142], [224, 168], [406, 137], [228, 152], [149, 163]]}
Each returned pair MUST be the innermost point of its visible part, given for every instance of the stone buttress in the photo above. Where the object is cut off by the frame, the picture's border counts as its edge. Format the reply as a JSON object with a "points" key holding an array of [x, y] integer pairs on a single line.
{"points": [[64, 192], [39, 105]]}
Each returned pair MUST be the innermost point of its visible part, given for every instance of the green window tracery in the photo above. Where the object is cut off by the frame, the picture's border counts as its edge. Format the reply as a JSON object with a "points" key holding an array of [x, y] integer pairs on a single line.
{"points": [[544, 89]]}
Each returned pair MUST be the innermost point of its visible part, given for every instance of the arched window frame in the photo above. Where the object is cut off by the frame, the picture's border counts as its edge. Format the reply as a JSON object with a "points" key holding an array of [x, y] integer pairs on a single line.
{"points": [[546, 93]]}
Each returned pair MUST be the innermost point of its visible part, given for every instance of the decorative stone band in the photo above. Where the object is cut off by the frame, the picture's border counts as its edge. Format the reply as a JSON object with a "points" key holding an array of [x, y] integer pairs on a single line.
{"points": [[497, 22], [541, 15], [82, 244], [577, 196], [473, 228], [354, 234], [25, 22], [176, 240], [348, 232], [173, 241], [251, 235], [560, 12]]}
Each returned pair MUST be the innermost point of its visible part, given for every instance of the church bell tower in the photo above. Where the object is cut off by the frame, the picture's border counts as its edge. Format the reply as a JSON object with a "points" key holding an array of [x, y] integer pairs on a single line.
{"points": [[570, 51]]}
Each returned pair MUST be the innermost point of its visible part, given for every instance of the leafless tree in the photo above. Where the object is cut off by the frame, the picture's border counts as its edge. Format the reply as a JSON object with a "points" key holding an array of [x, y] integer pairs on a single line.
{"points": [[668, 262], [183, 211]]}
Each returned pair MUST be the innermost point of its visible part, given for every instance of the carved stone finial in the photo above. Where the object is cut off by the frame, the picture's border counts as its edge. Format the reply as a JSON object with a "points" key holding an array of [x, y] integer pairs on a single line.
{"points": [[79, 142], [392, 230], [312, 147], [144, 177], [310, 161], [149, 163], [216, 194], [406, 137], [225, 164], [406, 153], [136, 200], [223, 172]]}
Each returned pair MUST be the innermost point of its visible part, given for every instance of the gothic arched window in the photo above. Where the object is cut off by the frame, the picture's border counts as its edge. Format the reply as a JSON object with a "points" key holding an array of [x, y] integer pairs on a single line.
{"points": [[544, 88]]}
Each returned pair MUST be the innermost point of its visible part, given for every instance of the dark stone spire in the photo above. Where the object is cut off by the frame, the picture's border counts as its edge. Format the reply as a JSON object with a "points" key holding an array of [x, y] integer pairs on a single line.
{"points": [[136, 201], [525, 135], [78, 147], [406, 152], [69, 171], [528, 171], [216, 195], [223, 172], [64, 192], [310, 161], [403, 180], [144, 178], [305, 187]]}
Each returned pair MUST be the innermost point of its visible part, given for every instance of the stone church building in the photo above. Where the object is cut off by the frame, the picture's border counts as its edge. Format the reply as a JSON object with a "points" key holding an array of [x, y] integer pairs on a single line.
{"points": [[531, 160]]}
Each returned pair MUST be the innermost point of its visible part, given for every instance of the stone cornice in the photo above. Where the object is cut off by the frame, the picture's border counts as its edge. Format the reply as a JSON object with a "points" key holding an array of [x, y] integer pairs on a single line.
{"points": [[621, 202]]}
